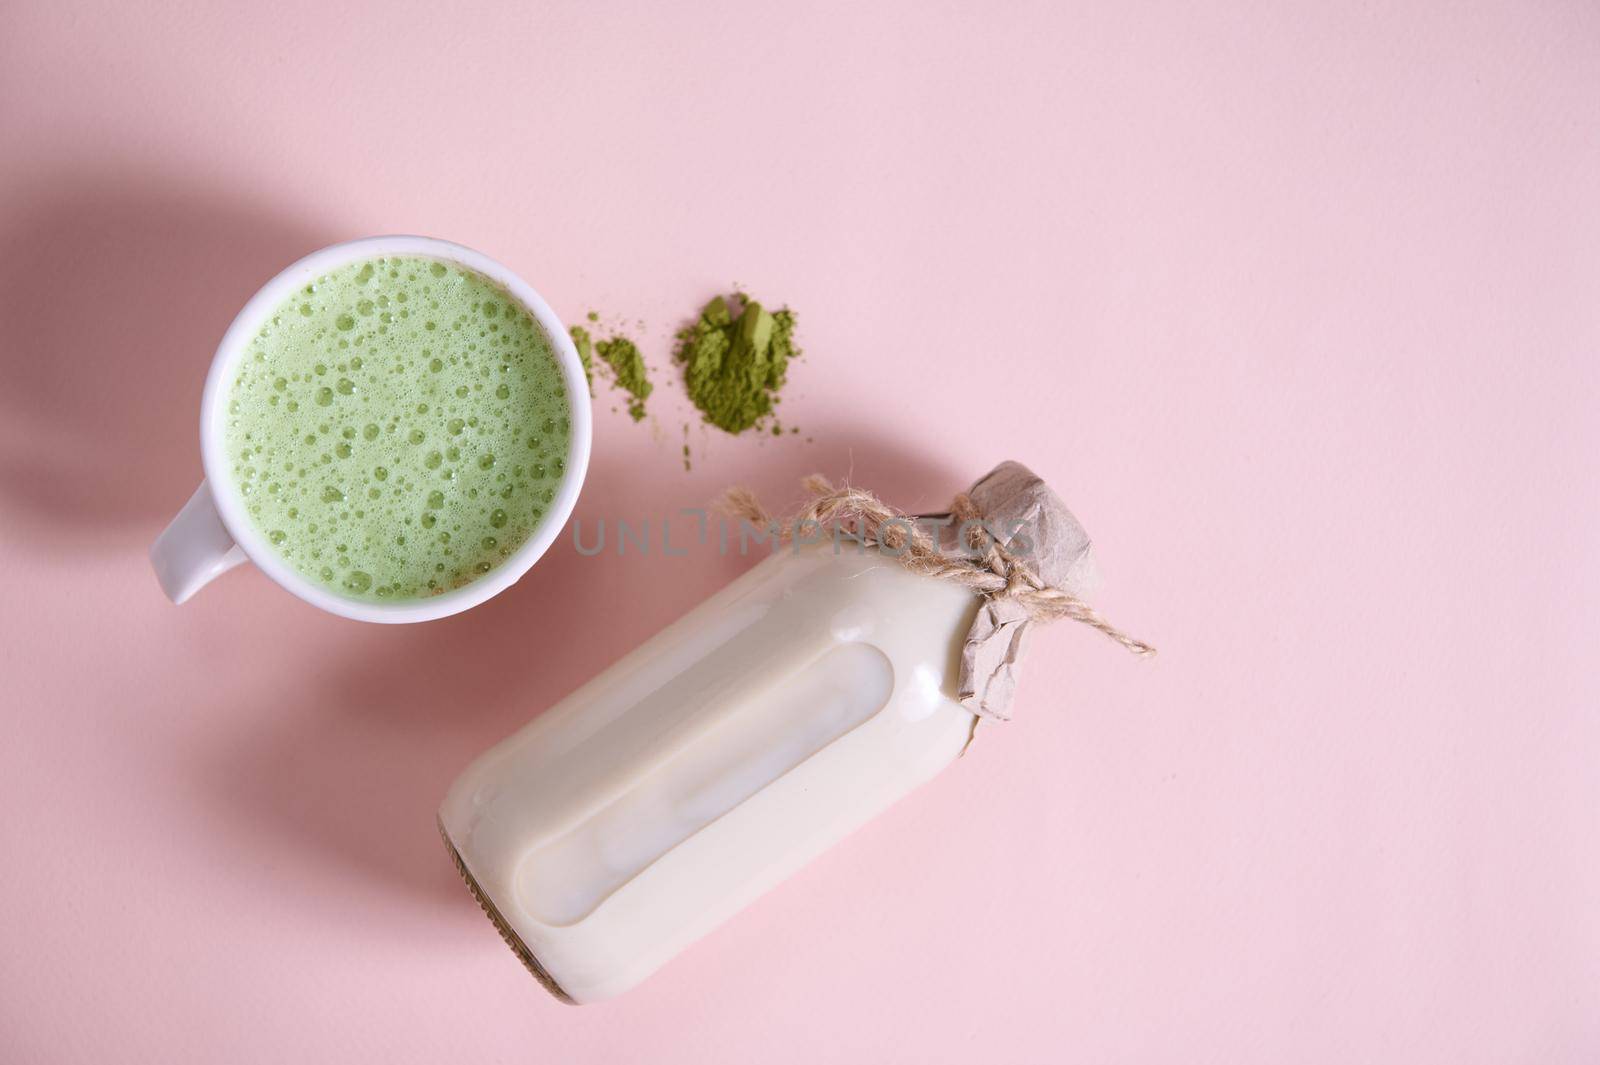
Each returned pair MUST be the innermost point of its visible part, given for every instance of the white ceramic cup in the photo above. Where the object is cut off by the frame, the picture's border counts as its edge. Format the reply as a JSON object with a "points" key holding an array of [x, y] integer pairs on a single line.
{"points": [[213, 533]]}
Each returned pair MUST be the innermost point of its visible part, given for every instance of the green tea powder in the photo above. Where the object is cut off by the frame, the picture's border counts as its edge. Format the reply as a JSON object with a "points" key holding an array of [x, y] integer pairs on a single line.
{"points": [[627, 371], [585, 345], [735, 364]]}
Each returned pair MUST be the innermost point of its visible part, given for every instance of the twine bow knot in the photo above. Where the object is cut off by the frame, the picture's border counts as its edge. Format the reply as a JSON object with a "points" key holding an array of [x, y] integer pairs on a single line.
{"points": [[1014, 593]]}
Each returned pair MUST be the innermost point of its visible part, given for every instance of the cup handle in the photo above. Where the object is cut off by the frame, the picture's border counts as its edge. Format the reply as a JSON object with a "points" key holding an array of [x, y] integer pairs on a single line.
{"points": [[194, 549]]}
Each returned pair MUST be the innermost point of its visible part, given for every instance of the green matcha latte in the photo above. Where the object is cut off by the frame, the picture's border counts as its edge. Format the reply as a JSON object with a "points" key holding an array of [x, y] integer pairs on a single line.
{"points": [[398, 428]]}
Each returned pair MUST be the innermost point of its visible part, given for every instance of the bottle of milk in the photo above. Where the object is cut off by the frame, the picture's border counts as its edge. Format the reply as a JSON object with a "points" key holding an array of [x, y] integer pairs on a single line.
{"points": [[715, 760]]}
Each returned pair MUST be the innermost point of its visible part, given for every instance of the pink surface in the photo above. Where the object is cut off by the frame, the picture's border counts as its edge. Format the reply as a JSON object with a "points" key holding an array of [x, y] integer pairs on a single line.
{"points": [[1295, 305]]}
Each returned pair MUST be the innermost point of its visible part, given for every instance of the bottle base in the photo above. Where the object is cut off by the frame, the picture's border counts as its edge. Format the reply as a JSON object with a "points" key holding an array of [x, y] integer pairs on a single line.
{"points": [[512, 940]]}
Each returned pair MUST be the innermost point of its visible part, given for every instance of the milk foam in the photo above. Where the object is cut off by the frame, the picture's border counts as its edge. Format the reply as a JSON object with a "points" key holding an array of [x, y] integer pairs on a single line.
{"points": [[398, 428]]}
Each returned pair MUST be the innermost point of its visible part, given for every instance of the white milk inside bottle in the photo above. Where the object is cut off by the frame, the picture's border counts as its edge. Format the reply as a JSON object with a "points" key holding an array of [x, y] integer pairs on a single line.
{"points": [[713, 761]]}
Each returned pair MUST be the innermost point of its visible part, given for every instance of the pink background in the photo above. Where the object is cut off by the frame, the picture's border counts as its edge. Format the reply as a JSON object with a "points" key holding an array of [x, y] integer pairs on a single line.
{"points": [[1295, 304]]}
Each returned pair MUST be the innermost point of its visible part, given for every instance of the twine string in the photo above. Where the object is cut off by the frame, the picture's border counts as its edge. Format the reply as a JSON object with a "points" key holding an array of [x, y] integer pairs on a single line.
{"points": [[987, 568]]}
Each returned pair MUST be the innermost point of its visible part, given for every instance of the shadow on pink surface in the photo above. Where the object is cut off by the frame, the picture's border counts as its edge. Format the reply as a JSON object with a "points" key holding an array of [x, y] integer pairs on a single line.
{"points": [[357, 754], [115, 294]]}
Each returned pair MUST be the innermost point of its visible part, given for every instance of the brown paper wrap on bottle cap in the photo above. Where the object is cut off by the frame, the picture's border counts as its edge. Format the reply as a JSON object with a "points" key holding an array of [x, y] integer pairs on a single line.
{"points": [[1029, 520]]}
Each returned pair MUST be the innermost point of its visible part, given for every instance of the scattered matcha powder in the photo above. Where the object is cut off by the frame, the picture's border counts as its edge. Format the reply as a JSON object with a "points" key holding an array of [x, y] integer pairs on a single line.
{"points": [[735, 364], [735, 358], [585, 345], [628, 371]]}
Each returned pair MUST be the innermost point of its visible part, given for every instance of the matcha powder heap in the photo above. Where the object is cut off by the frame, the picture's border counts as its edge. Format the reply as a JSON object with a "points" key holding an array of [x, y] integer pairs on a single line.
{"points": [[627, 371], [735, 364], [621, 357]]}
